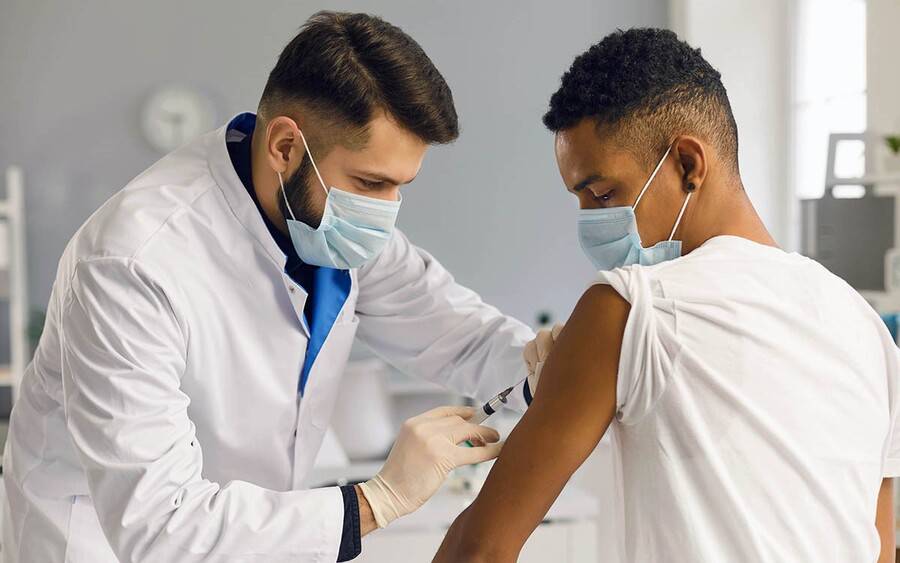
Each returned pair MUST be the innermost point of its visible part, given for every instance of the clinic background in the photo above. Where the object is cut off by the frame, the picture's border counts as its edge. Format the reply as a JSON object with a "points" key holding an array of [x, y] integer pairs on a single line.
{"points": [[491, 206], [74, 77]]}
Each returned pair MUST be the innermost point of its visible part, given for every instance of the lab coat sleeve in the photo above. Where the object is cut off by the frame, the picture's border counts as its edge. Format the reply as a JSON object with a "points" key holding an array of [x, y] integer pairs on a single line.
{"points": [[413, 314], [124, 351]]}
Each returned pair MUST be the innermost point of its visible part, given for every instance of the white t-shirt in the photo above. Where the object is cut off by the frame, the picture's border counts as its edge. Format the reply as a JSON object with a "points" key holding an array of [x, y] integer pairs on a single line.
{"points": [[757, 410]]}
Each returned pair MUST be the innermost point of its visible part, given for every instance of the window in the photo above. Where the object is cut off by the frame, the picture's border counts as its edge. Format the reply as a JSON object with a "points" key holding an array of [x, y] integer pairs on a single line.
{"points": [[829, 86]]}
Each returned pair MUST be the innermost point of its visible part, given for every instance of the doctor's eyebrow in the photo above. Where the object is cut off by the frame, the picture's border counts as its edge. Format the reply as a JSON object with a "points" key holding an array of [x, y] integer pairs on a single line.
{"points": [[382, 178], [587, 182]]}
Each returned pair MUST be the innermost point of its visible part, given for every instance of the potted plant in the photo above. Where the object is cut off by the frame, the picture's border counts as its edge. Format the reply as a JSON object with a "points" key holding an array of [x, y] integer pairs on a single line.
{"points": [[891, 160]]}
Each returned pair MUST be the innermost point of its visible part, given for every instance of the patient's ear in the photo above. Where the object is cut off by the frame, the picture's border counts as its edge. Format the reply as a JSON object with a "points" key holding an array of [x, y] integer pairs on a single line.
{"points": [[691, 156]]}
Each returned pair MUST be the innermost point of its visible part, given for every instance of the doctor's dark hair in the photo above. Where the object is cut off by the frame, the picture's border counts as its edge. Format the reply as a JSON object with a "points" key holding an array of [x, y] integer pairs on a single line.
{"points": [[347, 66], [645, 87]]}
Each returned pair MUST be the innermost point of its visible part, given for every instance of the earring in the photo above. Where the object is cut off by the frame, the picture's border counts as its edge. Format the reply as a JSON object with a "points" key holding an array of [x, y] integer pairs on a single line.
{"points": [[691, 187]]}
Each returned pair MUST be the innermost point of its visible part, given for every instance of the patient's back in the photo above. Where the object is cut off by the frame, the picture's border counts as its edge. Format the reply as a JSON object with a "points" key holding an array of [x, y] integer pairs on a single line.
{"points": [[757, 395]]}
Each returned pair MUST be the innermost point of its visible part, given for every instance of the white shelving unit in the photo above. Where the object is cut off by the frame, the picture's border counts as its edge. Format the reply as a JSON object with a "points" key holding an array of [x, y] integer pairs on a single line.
{"points": [[13, 279], [891, 179], [884, 182]]}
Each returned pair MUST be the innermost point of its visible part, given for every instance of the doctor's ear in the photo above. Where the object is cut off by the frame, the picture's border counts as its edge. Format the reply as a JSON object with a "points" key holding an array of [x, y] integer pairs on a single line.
{"points": [[282, 140], [691, 156]]}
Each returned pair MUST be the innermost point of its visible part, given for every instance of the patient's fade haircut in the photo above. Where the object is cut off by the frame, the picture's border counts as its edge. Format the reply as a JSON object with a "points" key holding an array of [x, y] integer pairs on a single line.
{"points": [[645, 87], [345, 67]]}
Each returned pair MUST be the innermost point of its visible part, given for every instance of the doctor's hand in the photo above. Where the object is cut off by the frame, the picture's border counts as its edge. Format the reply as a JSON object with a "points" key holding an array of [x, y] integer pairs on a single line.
{"points": [[536, 353], [425, 452]]}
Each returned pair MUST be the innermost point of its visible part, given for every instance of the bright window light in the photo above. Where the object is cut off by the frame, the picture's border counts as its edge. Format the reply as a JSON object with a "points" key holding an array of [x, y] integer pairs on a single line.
{"points": [[848, 191], [829, 87], [850, 159]]}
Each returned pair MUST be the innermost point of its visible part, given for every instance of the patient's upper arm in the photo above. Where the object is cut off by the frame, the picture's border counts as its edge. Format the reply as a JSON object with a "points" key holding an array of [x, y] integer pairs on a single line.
{"points": [[570, 413]]}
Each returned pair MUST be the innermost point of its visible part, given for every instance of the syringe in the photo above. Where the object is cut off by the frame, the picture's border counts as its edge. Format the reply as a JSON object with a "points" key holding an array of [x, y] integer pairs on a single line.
{"points": [[490, 407]]}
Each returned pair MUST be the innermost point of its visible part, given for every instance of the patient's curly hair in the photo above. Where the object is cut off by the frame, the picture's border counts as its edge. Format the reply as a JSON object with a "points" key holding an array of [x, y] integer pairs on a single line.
{"points": [[646, 86]]}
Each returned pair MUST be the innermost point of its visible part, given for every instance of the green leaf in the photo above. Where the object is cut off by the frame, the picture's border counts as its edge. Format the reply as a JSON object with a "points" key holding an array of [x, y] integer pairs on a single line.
{"points": [[893, 142]]}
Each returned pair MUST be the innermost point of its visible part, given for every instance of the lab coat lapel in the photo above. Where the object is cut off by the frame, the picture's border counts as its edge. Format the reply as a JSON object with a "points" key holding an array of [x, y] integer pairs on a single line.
{"points": [[247, 214], [238, 199], [317, 403]]}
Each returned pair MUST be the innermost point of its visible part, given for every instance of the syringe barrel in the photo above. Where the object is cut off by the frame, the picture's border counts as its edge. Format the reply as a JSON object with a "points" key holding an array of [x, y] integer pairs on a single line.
{"points": [[481, 415]]}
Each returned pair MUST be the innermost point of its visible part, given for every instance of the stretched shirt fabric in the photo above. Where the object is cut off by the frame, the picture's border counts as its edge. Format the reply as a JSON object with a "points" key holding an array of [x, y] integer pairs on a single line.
{"points": [[757, 405]]}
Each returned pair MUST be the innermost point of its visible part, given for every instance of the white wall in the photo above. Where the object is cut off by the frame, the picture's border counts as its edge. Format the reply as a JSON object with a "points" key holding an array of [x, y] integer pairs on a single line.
{"points": [[883, 68], [491, 206], [747, 41]]}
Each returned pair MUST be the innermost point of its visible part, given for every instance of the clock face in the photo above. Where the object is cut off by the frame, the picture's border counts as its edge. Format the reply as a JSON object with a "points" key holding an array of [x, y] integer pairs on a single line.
{"points": [[175, 115]]}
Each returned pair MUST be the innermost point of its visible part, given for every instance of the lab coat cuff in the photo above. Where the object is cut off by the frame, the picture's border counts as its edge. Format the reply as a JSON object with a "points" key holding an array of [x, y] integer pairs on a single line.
{"points": [[520, 398], [526, 391], [324, 522], [351, 540]]}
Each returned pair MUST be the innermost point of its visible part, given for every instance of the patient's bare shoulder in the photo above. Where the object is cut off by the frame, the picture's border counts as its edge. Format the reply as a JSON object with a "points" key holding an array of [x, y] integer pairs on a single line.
{"points": [[572, 409], [599, 317], [602, 300]]}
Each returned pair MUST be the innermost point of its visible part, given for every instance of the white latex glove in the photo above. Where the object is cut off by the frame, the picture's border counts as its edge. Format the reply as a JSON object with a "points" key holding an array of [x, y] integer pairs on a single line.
{"points": [[425, 452], [536, 353]]}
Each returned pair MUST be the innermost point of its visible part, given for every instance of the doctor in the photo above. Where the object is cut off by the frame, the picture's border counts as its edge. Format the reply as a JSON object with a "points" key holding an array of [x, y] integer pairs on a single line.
{"points": [[202, 317]]}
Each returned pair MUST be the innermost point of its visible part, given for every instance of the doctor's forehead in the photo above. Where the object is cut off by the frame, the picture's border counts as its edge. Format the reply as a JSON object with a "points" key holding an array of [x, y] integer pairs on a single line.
{"points": [[389, 151]]}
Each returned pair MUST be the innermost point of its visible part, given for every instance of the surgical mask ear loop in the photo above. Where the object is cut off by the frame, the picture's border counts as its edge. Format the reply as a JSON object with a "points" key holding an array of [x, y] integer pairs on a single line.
{"points": [[681, 214], [316, 168], [650, 180], [284, 196]]}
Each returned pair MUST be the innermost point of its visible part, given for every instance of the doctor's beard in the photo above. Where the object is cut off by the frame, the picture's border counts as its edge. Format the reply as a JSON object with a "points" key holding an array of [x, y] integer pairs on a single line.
{"points": [[297, 190]]}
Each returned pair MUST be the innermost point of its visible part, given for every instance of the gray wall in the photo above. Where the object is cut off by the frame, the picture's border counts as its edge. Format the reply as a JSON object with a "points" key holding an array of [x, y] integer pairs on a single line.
{"points": [[491, 207]]}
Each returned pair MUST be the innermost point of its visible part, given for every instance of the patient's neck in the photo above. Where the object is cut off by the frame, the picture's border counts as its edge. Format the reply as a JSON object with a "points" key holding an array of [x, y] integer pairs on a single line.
{"points": [[721, 207]]}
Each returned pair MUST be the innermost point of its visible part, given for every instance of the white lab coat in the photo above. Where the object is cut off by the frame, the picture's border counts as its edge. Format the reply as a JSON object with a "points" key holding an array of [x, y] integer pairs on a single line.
{"points": [[160, 419]]}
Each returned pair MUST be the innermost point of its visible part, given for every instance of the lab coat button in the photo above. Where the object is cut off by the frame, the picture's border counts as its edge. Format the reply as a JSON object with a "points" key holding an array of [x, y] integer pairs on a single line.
{"points": [[291, 290]]}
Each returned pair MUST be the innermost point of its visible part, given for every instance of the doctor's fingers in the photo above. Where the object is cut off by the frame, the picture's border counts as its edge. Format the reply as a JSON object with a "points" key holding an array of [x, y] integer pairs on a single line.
{"points": [[545, 341], [459, 433], [468, 456], [538, 349], [443, 412], [448, 425], [557, 329], [530, 354]]}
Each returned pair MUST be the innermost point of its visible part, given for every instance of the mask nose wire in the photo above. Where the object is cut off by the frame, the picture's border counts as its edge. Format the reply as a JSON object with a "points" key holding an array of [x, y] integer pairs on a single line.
{"points": [[653, 175]]}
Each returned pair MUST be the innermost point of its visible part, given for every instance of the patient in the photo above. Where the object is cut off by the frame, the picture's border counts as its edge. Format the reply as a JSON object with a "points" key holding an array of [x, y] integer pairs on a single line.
{"points": [[752, 395]]}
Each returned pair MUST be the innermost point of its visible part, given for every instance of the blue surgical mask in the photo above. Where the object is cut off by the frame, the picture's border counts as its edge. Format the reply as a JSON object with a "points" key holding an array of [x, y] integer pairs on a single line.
{"points": [[610, 239], [353, 231]]}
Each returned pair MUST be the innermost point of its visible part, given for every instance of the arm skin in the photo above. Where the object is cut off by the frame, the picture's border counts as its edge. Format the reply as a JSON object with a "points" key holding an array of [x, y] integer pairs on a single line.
{"points": [[884, 521], [569, 415], [366, 516]]}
